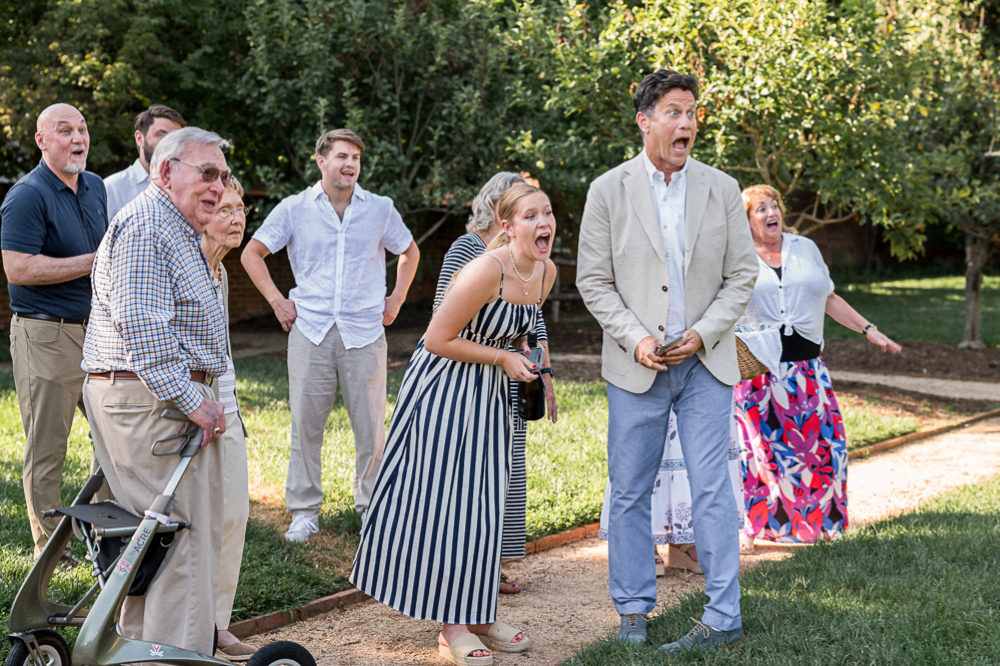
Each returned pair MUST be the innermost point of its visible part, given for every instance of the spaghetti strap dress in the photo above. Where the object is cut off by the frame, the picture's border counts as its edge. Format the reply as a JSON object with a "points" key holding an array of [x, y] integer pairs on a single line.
{"points": [[431, 544]]}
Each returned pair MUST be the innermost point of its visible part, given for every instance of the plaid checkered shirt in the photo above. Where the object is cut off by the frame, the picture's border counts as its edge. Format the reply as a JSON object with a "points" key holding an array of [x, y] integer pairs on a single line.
{"points": [[154, 310]]}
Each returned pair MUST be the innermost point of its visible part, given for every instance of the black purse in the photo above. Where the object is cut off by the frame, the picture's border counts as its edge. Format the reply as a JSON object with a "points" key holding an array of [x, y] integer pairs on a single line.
{"points": [[531, 395]]}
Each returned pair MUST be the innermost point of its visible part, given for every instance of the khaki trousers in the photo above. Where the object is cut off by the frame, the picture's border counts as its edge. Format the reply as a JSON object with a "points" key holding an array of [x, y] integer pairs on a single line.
{"points": [[313, 372], [179, 607], [235, 512], [49, 384]]}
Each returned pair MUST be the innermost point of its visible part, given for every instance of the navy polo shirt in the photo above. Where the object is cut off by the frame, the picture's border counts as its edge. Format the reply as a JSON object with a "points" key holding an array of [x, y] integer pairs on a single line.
{"points": [[42, 215]]}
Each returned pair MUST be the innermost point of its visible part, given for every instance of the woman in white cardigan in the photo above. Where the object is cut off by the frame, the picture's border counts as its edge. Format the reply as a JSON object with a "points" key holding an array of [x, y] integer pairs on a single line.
{"points": [[793, 440]]}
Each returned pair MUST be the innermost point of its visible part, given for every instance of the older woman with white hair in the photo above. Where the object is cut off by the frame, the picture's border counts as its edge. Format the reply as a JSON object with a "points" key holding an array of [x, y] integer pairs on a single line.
{"points": [[225, 233], [483, 226]]}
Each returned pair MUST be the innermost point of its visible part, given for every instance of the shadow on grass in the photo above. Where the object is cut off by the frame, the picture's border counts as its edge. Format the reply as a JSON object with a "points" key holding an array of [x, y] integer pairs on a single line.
{"points": [[922, 588]]}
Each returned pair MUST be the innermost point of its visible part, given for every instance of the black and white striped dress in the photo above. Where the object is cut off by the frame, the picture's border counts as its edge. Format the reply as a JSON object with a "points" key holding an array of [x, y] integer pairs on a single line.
{"points": [[431, 544], [462, 251]]}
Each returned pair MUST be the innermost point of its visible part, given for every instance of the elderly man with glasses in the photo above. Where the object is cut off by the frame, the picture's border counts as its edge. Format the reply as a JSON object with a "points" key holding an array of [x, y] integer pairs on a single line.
{"points": [[157, 340]]}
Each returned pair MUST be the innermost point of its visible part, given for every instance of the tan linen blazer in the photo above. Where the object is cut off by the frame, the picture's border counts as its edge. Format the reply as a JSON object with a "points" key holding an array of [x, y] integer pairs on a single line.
{"points": [[622, 275]]}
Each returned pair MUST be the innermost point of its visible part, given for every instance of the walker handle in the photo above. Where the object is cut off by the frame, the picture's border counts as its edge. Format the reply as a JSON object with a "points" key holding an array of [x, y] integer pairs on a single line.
{"points": [[174, 415]]}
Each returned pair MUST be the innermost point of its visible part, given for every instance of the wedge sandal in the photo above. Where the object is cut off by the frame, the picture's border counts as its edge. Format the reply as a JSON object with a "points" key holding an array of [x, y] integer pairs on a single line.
{"points": [[460, 649], [501, 638], [677, 558]]}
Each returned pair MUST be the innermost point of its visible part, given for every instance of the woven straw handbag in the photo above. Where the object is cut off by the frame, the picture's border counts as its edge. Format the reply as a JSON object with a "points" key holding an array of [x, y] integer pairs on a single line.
{"points": [[750, 367]]}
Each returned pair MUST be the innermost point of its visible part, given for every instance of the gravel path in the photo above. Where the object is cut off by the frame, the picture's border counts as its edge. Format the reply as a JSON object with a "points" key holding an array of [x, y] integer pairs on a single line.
{"points": [[946, 388], [565, 601]]}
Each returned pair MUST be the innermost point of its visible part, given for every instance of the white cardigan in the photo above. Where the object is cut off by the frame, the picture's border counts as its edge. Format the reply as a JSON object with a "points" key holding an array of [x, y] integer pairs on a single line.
{"points": [[798, 299]]}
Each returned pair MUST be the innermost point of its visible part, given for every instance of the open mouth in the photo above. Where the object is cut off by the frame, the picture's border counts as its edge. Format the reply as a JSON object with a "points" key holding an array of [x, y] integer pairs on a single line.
{"points": [[542, 243], [681, 145], [77, 153], [773, 224], [347, 174]]}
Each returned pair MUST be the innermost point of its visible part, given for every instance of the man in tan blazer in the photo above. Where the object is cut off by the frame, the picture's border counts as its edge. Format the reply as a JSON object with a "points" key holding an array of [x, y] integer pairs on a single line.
{"points": [[666, 254]]}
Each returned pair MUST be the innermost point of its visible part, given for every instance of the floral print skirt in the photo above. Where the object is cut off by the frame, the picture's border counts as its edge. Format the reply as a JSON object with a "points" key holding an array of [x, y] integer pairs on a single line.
{"points": [[671, 502], [794, 455]]}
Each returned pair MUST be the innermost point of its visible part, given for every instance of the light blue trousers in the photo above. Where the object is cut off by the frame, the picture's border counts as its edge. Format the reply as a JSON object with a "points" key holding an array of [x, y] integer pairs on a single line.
{"points": [[637, 428]]}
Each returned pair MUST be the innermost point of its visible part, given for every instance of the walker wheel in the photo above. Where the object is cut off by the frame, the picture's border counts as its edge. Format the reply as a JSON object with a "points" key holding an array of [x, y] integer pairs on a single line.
{"points": [[52, 646], [282, 653]]}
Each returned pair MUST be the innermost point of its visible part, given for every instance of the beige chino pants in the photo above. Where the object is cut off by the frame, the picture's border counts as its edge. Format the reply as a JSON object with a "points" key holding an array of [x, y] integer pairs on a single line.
{"points": [[313, 374], [179, 607], [49, 386], [235, 512]]}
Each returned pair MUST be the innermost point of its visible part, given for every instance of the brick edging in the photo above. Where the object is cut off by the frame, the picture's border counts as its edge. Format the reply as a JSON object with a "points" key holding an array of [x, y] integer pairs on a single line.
{"points": [[352, 597], [265, 623], [887, 444]]}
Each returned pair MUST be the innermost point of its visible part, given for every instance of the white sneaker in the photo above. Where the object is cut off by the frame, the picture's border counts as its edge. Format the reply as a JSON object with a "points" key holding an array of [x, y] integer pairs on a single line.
{"points": [[302, 528]]}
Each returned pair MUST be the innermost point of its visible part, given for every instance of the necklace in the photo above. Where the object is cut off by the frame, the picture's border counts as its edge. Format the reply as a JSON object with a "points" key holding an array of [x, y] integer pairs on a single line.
{"points": [[514, 266], [770, 255]]}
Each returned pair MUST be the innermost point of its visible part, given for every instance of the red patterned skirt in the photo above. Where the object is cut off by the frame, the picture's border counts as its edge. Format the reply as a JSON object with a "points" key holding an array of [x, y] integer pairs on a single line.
{"points": [[794, 454]]}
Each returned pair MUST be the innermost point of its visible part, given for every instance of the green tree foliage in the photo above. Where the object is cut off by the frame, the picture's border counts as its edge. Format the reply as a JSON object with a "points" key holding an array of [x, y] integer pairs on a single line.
{"points": [[421, 82], [830, 104], [962, 135], [112, 59]]}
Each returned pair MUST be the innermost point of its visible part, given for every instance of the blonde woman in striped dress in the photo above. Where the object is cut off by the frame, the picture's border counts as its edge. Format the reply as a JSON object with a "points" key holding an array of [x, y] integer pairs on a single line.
{"points": [[431, 546], [483, 227]]}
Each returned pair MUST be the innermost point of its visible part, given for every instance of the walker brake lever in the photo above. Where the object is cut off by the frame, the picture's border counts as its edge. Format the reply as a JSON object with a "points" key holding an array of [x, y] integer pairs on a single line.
{"points": [[174, 415]]}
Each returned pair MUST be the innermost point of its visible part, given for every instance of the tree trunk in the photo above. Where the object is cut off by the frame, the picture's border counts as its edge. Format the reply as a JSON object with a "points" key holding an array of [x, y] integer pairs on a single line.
{"points": [[975, 261]]}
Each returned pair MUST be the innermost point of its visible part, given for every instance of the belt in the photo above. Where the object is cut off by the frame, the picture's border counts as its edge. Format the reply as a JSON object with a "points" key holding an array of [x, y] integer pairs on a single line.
{"points": [[44, 317], [199, 376]]}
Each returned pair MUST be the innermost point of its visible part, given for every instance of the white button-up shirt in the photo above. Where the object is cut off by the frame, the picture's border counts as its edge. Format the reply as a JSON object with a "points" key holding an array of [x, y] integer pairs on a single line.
{"points": [[670, 201], [339, 265], [124, 186], [796, 300]]}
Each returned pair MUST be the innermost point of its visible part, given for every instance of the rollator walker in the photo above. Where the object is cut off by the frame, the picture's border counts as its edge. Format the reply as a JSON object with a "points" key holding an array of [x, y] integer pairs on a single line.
{"points": [[125, 551]]}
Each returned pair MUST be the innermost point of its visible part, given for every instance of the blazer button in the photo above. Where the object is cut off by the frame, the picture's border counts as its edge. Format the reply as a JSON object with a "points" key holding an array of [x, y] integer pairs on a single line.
{"points": [[661, 328], [664, 287]]}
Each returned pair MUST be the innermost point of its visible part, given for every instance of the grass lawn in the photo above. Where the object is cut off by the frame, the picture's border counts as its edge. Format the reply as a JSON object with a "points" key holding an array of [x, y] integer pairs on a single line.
{"points": [[276, 574], [566, 466], [928, 309], [918, 589], [865, 423]]}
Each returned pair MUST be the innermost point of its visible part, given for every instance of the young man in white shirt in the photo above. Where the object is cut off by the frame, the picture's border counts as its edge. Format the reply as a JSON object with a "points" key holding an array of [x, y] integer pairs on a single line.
{"points": [[150, 126], [336, 234]]}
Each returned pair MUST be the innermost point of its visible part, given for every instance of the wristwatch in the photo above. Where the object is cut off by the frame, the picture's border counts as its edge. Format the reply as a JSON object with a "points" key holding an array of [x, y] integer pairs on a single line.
{"points": [[547, 371], [864, 331]]}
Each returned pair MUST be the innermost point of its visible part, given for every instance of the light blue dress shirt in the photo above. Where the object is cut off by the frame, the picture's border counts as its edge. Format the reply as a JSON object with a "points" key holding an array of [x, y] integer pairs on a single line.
{"points": [[125, 186]]}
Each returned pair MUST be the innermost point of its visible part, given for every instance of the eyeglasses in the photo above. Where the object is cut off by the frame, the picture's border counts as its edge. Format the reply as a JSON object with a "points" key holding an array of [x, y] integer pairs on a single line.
{"points": [[228, 213], [209, 174]]}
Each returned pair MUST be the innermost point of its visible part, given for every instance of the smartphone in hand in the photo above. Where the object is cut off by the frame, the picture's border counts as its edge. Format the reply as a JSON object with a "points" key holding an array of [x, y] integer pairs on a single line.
{"points": [[534, 355], [666, 346]]}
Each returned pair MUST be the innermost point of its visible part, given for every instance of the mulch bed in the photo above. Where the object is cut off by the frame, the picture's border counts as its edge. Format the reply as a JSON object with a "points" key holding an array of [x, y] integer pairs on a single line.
{"points": [[917, 358]]}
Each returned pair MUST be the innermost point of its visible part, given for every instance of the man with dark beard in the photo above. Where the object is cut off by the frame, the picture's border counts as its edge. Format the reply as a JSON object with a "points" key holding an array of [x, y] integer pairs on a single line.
{"points": [[150, 126]]}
